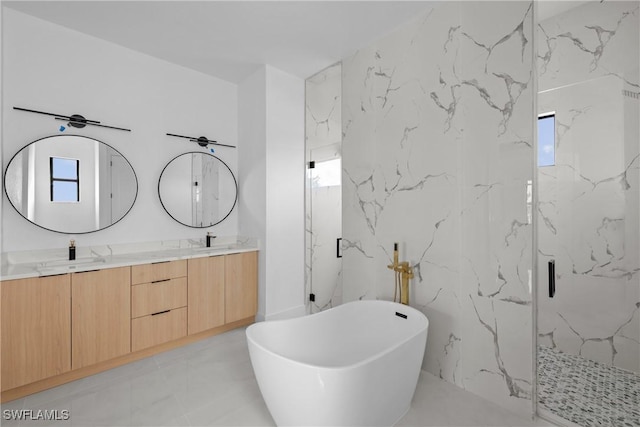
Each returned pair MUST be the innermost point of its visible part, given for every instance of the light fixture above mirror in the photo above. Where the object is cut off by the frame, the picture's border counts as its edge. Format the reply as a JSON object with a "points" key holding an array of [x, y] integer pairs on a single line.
{"points": [[202, 141], [75, 120]]}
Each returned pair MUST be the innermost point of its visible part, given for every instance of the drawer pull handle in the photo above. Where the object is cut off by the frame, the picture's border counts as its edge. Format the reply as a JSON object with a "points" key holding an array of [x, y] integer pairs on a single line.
{"points": [[86, 271], [160, 281], [160, 312], [160, 262]]}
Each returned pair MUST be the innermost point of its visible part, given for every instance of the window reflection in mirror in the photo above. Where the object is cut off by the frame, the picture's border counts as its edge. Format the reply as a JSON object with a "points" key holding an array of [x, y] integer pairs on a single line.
{"points": [[65, 179], [95, 183]]}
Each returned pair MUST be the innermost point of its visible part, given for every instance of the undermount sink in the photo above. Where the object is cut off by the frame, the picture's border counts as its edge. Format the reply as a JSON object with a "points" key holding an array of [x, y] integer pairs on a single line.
{"points": [[216, 248], [73, 263]]}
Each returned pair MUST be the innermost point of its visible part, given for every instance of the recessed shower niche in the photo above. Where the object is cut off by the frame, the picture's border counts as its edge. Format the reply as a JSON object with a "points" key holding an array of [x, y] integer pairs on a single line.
{"points": [[70, 184]]}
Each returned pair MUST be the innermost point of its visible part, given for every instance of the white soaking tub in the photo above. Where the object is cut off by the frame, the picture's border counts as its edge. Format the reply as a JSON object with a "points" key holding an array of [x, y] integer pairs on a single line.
{"points": [[353, 365]]}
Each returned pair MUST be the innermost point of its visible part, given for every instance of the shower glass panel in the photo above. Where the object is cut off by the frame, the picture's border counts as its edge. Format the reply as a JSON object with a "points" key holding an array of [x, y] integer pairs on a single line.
{"points": [[588, 219], [325, 180], [323, 199]]}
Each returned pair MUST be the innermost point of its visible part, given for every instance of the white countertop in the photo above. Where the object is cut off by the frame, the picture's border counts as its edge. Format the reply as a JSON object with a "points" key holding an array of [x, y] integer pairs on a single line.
{"points": [[37, 263]]}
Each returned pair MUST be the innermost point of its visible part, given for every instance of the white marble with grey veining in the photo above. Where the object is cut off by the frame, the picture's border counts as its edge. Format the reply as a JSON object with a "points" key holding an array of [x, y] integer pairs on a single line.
{"points": [[588, 205], [437, 155], [48, 262]]}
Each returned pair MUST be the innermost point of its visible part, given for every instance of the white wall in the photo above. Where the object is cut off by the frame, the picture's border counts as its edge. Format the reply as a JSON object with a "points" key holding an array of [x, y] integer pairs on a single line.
{"points": [[271, 117], [252, 166], [2, 155], [285, 194], [51, 68]]}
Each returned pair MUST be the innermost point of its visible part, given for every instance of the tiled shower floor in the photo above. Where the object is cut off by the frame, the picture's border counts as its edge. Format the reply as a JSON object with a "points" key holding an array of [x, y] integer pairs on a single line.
{"points": [[586, 392]]}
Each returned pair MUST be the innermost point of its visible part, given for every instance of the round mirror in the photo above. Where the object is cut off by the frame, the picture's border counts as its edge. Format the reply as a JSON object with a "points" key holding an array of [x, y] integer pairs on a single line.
{"points": [[198, 189], [70, 184]]}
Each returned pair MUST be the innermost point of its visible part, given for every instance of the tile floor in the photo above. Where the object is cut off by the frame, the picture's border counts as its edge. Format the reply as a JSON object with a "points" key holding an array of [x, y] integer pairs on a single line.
{"points": [[211, 383], [585, 392]]}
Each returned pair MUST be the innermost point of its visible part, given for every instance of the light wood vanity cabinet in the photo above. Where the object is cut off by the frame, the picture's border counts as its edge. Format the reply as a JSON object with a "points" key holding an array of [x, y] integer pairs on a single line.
{"points": [[36, 329], [100, 315], [241, 290], [222, 289], [206, 293], [159, 303], [60, 328]]}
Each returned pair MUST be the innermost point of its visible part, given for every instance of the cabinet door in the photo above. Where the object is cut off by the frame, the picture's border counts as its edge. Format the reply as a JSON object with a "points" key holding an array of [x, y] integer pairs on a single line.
{"points": [[241, 286], [158, 328], [205, 279], [101, 315], [36, 329]]}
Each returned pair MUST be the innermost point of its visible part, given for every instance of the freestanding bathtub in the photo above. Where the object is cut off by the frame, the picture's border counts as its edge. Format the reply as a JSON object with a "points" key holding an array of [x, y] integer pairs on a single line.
{"points": [[353, 365]]}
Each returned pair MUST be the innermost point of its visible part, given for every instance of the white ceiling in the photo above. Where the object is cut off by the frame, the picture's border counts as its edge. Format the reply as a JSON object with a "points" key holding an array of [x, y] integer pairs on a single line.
{"points": [[231, 39]]}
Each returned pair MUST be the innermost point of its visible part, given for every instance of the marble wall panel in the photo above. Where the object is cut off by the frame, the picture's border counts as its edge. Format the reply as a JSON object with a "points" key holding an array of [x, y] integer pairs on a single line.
{"points": [[437, 156], [591, 40]]}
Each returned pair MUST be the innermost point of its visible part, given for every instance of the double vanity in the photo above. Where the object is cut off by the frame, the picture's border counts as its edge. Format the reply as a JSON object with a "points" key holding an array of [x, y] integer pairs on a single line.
{"points": [[64, 320], [76, 311]]}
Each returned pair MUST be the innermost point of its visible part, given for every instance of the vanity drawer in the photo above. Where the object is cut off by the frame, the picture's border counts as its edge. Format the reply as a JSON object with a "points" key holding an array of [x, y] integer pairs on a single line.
{"points": [[159, 328], [158, 271], [148, 298]]}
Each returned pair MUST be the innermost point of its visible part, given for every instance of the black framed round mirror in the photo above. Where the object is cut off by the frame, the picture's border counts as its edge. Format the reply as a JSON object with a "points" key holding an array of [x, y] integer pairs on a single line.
{"points": [[198, 189], [70, 184]]}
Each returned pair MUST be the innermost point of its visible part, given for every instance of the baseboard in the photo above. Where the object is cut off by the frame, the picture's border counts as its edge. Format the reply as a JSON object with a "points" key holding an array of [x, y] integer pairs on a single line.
{"points": [[289, 313]]}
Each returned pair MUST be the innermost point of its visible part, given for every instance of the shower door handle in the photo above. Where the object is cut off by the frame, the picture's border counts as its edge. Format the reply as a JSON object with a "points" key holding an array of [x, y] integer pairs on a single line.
{"points": [[552, 278], [338, 247]]}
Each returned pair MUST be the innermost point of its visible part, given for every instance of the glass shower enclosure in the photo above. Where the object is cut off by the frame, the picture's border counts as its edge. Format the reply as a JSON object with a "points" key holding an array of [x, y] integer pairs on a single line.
{"points": [[588, 219], [323, 198]]}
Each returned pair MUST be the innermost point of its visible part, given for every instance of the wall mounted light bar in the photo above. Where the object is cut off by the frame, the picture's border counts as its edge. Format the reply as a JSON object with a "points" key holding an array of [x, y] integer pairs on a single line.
{"points": [[74, 120], [202, 141]]}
